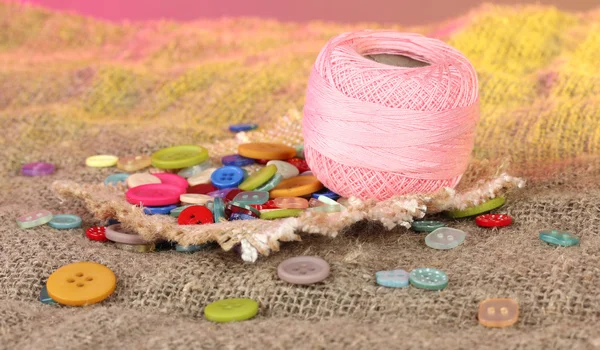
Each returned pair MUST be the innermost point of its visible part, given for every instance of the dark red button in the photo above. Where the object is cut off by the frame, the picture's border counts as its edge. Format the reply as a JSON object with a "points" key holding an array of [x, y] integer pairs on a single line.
{"points": [[231, 194], [195, 215], [270, 204], [202, 189], [493, 220], [96, 233], [262, 161], [230, 209], [299, 163]]}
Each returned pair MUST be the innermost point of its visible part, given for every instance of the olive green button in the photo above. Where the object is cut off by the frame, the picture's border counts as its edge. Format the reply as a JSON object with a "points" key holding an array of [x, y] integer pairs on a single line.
{"points": [[179, 157], [280, 213], [258, 178], [478, 209], [229, 310]]}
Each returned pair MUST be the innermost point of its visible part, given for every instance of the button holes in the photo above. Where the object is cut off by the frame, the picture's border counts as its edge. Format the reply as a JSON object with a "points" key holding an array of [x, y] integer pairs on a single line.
{"points": [[295, 269], [303, 272], [565, 235], [70, 280], [440, 235], [504, 311], [491, 311], [79, 284], [312, 269], [89, 278], [450, 238], [79, 274]]}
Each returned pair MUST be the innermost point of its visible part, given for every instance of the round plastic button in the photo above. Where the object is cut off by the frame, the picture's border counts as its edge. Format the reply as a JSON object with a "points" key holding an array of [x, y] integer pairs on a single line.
{"points": [[478, 209], [191, 248], [193, 170], [45, 298], [202, 177], [218, 209], [242, 127], [241, 216], [136, 248], [303, 270], [300, 164], [195, 198], [230, 310], [291, 203], [326, 193], [427, 226], [286, 169], [172, 179], [493, 220], [269, 185], [101, 161], [37, 169], [115, 179], [195, 215], [140, 179], [202, 189], [65, 221], [280, 213], [233, 204], [258, 178], [498, 313], [227, 176], [236, 160], [561, 238], [260, 150], [34, 219], [296, 187], [175, 212], [233, 192], [81, 283], [134, 163], [153, 195], [252, 197], [118, 234], [392, 279], [445, 238], [179, 157], [428, 278], [96, 233], [163, 210]]}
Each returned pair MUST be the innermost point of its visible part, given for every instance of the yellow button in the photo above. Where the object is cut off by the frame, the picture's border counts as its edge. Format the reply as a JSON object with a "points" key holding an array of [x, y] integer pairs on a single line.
{"points": [[134, 163], [267, 151], [81, 283], [296, 187], [101, 161]]}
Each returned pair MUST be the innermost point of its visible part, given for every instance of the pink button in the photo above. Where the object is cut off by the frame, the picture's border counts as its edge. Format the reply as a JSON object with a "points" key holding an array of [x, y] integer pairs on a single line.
{"points": [[153, 195], [303, 270], [173, 179], [291, 203]]}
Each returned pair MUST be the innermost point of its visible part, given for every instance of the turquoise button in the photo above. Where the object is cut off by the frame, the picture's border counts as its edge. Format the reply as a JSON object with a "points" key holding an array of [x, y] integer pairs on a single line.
{"points": [[65, 221], [175, 212], [445, 238], [392, 279], [269, 185], [45, 298], [427, 226], [115, 179], [191, 248], [252, 197], [218, 209], [428, 278], [556, 237]]}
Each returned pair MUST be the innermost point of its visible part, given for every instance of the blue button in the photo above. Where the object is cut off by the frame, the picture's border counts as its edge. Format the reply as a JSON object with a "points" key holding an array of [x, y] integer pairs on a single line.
{"points": [[392, 279], [227, 177], [65, 221], [164, 210], [327, 193], [242, 127], [112, 221], [236, 160], [241, 216], [115, 179], [218, 209], [556, 237], [45, 298]]}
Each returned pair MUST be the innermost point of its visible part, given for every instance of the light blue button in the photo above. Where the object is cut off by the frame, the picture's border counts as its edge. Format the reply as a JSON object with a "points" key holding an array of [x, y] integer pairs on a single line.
{"points": [[445, 238], [227, 177], [392, 279], [194, 170], [115, 179], [236, 160], [428, 278], [45, 298], [269, 185], [252, 197], [218, 209], [164, 210], [65, 221], [561, 238]]}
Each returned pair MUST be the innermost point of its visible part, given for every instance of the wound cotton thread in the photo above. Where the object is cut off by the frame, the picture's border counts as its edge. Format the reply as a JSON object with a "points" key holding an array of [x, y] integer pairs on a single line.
{"points": [[373, 130]]}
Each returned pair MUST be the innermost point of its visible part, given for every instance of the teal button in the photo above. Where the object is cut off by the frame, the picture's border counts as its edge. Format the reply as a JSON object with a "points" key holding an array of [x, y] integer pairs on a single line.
{"points": [[45, 298], [428, 278], [269, 185], [561, 238], [426, 226], [252, 197], [65, 221], [392, 279], [218, 209], [175, 212], [115, 179]]}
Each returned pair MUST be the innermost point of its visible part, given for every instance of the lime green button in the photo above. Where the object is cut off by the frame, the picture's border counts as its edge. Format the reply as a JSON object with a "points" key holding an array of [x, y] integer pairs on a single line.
{"points": [[230, 310], [258, 178], [179, 157], [478, 209], [280, 213]]}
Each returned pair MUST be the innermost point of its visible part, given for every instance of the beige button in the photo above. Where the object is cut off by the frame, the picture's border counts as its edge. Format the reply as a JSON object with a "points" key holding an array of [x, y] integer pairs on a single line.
{"points": [[201, 178], [134, 163], [498, 312], [141, 179], [194, 198]]}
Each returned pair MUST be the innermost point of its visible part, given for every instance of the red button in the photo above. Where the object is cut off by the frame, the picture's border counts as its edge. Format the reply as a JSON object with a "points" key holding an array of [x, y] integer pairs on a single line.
{"points": [[195, 215], [493, 220], [230, 209], [231, 195], [262, 161], [202, 189], [299, 163], [270, 204], [96, 233]]}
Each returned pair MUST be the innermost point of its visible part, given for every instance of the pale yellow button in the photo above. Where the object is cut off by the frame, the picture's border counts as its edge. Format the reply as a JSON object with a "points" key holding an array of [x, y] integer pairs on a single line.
{"points": [[194, 198], [101, 161], [201, 178], [81, 283], [134, 163], [141, 179]]}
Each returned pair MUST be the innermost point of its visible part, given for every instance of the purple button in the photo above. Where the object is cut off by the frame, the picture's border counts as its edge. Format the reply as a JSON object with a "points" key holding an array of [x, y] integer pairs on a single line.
{"points": [[37, 169], [236, 160], [303, 270]]}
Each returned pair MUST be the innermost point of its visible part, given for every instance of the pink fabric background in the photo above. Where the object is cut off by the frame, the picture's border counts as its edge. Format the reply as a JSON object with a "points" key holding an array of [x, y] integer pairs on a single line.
{"points": [[403, 12]]}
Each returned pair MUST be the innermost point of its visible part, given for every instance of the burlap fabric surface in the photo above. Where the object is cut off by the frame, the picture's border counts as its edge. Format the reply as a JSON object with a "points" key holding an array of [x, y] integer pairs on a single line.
{"points": [[71, 87]]}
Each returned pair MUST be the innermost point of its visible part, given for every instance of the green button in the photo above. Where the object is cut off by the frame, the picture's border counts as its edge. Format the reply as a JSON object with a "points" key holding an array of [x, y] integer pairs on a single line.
{"points": [[427, 226], [428, 278], [478, 209], [229, 310], [278, 214], [179, 157], [175, 212], [556, 237], [258, 178]]}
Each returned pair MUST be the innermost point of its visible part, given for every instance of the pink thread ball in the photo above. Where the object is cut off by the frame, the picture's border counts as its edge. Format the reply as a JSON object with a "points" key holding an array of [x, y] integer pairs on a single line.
{"points": [[373, 130]]}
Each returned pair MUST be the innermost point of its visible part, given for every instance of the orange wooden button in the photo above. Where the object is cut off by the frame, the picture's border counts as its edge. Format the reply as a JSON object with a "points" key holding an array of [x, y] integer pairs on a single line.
{"points": [[270, 151], [296, 187], [81, 283], [498, 312]]}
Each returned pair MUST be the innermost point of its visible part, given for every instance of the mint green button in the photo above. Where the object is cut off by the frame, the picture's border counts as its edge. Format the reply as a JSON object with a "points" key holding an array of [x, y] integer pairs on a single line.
{"points": [[175, 212], [428, 278], [561, 238], [229, 310], [426, 226]]}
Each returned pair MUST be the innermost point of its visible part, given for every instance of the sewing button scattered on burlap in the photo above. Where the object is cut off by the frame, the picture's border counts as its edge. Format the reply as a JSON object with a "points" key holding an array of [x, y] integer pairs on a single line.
{"points": [[65, 221], [81, 283], [445, 238], [392, 279], [428, 278], [426, 225], [557, 237], [498, 312], [493, 220], [227, 176], [37, 169], [303, 270], [230, 310], [34, 219]]}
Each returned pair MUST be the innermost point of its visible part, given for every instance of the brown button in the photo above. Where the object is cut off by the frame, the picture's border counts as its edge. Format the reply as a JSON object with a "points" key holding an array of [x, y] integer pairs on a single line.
{"points": [[303, 270], [498, 312]]}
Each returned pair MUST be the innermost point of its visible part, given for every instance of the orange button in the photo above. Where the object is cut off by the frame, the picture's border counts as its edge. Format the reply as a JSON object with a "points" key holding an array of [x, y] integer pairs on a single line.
{"points": [[81, 283], [270, 151], [498, 312], [296, 187]]}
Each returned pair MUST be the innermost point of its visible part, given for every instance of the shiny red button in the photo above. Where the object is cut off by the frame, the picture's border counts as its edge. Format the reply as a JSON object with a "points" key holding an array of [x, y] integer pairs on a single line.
{"points": [[262, 161], [231, 194], [270, 204], [202, 189], [493, 220], [299, 163], [195, 215], [96, 233]]}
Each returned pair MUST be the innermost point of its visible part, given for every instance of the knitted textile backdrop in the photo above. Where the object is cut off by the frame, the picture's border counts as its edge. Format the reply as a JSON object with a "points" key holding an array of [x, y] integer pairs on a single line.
{"points": [[71, 87]]}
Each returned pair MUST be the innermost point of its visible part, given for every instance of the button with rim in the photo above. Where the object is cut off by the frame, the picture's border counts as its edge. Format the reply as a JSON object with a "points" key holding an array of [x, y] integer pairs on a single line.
{"points": [[230, 310], [392, 279], [193, 170], [162, 210], [493, 220], [65, 221], [140, 179], [82, 283], [263, 150], [153, 195], [280, 213], [258, 178], [175, 212], [134, 163], [118, 234], [195, 215], [286, 169], [252, 197], [445, 238], [37, 169], [428, 278], [291, 203], [271, 184], [561, 238], [195, 198], [303, 270], [173, 179], [498, 313], [297, 187], [34, 219], [192, 248], [201, 178], [244, 206], [426, 225], [45, 298], [101, 161], [236, 160], [96, 233], [136, 248], [179, 157], [242, 127], [227, 176], [115, 179], [478, 209]]}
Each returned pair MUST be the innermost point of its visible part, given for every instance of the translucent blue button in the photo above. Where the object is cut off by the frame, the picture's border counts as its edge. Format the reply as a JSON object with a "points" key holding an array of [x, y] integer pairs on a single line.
{"points": [[236, 160], [218, 209], [392, 279], [227, 177], [65, 221], [241, 216], [45, 298], [326, 193], [115, 179], [428, 278], [164, 210], [445, 238], [252, 197], [242, 127], [561, 238]]}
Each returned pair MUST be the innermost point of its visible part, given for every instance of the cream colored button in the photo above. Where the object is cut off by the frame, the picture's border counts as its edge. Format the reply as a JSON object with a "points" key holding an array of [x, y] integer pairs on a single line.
{"points": [[201, 178], [141, 179], [194, 198]]}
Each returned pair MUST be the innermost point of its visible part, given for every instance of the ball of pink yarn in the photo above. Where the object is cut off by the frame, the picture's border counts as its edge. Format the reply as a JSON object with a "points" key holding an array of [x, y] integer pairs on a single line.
{"points": [[373, 130]]}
